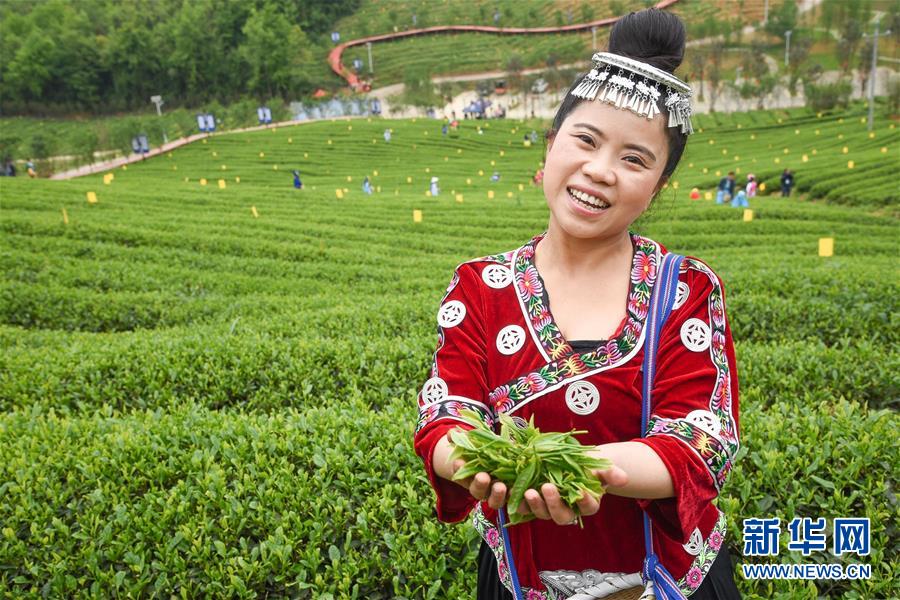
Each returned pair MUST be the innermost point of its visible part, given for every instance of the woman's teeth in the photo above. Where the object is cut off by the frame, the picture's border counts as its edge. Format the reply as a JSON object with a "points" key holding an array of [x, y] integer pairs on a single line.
{"points": [[587, 200]]}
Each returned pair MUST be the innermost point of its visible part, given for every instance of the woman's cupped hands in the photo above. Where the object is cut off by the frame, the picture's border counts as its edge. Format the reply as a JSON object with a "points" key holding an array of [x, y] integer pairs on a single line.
{"points": [[544, 503]]}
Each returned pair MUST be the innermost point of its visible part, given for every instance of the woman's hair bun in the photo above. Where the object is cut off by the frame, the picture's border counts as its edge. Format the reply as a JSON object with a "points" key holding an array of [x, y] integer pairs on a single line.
{"points": [[653, 36]]}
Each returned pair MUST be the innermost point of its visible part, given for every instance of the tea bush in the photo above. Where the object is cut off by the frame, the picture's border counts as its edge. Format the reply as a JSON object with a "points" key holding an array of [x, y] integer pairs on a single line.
{"points": [[197, 401]]}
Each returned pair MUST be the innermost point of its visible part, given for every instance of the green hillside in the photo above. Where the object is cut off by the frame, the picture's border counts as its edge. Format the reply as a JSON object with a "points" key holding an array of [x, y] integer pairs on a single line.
{"points": [[200, 401], [834, 156]]}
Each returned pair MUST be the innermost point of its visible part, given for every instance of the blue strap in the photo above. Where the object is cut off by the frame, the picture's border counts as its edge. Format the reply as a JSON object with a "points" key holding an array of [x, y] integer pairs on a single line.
{"points": [[661, 302], [507, 548]]}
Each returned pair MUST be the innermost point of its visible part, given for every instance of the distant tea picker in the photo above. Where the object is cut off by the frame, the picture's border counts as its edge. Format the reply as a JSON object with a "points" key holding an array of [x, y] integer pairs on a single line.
{"points": [[634, 354]]}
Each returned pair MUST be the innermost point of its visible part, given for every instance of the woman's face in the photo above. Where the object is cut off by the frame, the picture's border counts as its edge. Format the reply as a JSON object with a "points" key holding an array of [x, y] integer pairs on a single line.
{"points": [[603, 167]]}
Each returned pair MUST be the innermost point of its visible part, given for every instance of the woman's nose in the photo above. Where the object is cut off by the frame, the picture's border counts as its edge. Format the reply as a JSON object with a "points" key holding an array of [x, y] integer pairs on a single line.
{"points": [[600, 169]]}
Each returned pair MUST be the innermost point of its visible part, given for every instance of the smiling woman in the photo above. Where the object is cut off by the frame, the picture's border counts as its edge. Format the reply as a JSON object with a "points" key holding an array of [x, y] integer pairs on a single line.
{"points": [[603, 167], [617, 137]]}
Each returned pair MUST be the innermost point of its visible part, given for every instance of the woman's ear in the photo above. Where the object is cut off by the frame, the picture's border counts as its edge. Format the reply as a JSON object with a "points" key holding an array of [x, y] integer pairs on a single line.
{"points": [[549, 138]]}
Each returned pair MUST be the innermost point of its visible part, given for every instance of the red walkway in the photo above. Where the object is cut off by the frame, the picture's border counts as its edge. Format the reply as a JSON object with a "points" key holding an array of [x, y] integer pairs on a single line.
{"points": [[334, 57]]}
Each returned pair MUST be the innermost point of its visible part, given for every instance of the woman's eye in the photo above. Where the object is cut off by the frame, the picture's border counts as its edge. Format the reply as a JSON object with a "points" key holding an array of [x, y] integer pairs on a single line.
{"points": [[636, 160], [586, 139]]}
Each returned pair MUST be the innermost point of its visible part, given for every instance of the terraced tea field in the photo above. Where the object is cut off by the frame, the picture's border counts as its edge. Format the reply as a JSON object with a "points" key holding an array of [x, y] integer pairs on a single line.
{"points": [[211, 390]]}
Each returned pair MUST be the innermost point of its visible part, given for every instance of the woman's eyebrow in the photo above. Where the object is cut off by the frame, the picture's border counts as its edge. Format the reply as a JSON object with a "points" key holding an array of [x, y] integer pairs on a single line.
{"points": [[600, 134]]}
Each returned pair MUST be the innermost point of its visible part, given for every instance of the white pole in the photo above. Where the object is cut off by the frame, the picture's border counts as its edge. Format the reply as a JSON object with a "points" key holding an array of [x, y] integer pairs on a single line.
{"points": [[872, 75], [369, 46], [787, 46], [766, 13], [593, 38], [158, 101]]}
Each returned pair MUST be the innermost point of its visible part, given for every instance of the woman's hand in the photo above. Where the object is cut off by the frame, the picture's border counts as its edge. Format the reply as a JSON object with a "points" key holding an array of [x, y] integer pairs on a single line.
{"points": [[482, 486], [548, 504]]}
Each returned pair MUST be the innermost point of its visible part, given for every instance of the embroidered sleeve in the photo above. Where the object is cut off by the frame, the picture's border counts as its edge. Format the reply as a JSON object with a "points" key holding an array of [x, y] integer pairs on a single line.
{"points": [[457, 381], [694, 420]]}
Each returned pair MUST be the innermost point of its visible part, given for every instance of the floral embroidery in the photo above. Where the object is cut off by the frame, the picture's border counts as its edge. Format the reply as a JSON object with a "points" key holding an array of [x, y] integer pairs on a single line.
{"points": [[534, 383], [712, 450], [639, 306], [499, 396], [644, 269], [449, 409], [694, 577], [704, 560], [691, 580], [558, 348], [491, 535], [573, 365], [717, 452], [565, 362], [503, 258], [452, 285], [530, 283], [613, 350]]}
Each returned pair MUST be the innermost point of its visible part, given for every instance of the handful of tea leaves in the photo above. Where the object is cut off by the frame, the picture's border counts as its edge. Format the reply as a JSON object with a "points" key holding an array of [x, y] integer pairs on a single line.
{"points": [[524, 458]]}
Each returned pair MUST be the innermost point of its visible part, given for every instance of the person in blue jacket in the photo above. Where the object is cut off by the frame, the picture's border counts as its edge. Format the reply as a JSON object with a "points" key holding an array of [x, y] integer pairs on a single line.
{"points": [[787, 182], [297, 183], [725, 191]]}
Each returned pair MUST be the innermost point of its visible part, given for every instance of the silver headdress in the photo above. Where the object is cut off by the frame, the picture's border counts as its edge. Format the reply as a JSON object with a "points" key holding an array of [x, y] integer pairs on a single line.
{"points": [[635, 85]]}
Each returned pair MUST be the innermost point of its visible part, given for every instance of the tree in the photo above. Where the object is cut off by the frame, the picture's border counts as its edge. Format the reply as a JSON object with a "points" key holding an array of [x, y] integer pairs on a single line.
{"points": [[41, 146], [697, 61], [85, 142], [445, 89], [758, 88], [714, 71], [199, 60], [864, 65], [418, 88], [797, 55], [553, 75], [848, 16], [827, 96], [317, 17], [893, 97], [514, 68], [782, 20], [50, 55], [851, 35], [587, 13], [273, 50], [758, 82]]}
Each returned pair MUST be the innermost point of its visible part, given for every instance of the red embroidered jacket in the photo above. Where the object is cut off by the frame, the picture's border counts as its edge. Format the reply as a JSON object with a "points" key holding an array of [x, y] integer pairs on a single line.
{"points": [[499, 350]]}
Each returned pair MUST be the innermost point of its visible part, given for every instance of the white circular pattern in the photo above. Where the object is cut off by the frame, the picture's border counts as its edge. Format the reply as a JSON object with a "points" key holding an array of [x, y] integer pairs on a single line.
{"points": [[434, 390], [695, 544], [497, 276], [510, 339], [681, 294], [451, 314], [695, 335], [706, 421], [582, 397]]}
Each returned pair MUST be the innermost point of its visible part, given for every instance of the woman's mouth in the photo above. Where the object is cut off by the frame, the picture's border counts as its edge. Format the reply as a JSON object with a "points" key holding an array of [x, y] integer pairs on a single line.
{"points": [[587, 201]]}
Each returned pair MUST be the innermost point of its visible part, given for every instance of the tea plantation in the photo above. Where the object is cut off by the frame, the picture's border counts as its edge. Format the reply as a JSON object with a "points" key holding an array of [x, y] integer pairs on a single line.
{"points": [[209, 390]]}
